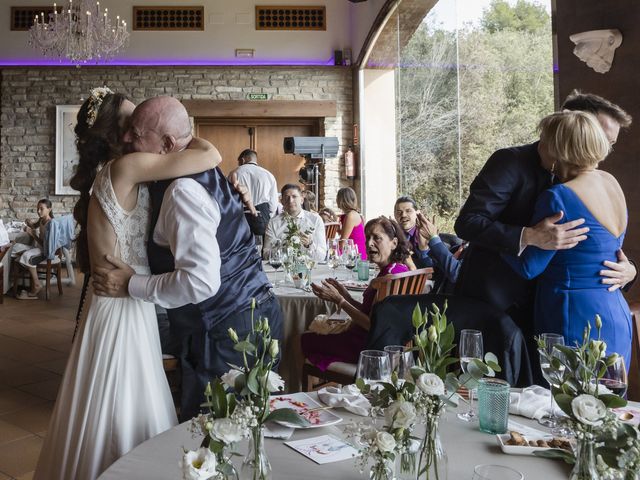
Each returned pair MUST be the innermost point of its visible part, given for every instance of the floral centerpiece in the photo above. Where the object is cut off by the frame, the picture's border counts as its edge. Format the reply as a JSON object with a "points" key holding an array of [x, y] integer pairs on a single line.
{"points": [[576, 388], [298, 262], [421, 398], [238, 406]]}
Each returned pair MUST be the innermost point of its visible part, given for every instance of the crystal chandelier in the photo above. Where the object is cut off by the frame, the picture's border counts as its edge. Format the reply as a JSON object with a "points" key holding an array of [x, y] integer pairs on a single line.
{"points": [[80, 32]]}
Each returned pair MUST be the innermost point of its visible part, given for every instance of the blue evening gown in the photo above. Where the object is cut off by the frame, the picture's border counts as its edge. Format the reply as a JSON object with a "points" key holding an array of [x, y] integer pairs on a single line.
{"points": [[570, 291]]}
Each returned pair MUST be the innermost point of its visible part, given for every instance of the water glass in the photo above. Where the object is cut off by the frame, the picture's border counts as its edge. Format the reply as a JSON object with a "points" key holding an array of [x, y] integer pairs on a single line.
{"points": [[496, 472], [493, 405], [401, 361], [363, 270], [374, 367]]}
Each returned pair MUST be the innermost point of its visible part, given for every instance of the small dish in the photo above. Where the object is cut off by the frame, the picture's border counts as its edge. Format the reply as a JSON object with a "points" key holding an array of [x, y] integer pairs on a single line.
{"points": [[315, 413], [522, 449]]}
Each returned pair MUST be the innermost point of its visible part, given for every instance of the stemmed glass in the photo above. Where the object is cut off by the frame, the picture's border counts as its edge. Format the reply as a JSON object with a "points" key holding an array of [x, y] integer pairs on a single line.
{"points": [[615, 378], [349, 256], [401, 361], [374, 367], [550, 374], [470, 349], [333, 256], [275, 260]]}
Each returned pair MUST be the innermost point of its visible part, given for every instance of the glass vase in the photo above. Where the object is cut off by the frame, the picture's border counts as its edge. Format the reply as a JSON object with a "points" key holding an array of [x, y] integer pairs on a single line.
{"points": [[433, 461], [407, 461], [585, 466], [224, 468], [256, 465], [383, 469]]}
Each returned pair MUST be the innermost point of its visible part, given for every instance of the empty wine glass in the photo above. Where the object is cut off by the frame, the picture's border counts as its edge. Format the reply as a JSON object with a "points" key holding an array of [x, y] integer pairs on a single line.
{"points": [[374, 367], [470, 348], [495, 472], [615, 377], [333, 256], [401, 361], [550, 374], [275, 260]]}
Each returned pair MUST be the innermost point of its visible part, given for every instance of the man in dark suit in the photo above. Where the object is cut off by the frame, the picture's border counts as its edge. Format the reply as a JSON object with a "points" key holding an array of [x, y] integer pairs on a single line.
{"points": [[496, 216]]}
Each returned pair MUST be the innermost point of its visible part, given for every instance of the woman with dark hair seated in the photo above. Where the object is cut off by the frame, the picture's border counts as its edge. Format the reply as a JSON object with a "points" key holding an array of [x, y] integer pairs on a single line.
{"points": [[387, 248]]}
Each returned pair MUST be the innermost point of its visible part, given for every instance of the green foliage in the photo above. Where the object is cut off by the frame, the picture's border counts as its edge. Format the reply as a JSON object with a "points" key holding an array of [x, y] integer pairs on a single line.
{"points": [[505, 88]]}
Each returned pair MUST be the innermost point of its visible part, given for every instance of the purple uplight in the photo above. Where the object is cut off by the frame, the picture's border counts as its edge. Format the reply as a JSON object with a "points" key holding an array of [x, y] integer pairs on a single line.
{"points": [[162, 62]]}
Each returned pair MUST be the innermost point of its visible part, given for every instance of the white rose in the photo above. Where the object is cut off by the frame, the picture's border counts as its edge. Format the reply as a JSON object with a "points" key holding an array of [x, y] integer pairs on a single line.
{"points": [[430, 383], [274, 382], [198, 464], [588, 410], [385, 442], [400, 414], [295, 240], [602, 390], [227, 431], [230, 377]]}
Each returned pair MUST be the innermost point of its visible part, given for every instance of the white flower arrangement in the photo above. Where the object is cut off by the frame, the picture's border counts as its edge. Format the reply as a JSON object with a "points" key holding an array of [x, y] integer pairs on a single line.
{"points": [[198, 464], [588, 410]]}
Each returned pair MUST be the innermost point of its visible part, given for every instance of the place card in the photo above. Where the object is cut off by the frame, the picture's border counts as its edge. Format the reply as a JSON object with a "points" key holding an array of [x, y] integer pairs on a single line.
{"points": [[324, 449]]}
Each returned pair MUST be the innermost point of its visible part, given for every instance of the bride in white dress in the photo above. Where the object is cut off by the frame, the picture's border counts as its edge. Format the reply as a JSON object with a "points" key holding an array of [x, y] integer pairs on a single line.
{"points": [[114, 394]]}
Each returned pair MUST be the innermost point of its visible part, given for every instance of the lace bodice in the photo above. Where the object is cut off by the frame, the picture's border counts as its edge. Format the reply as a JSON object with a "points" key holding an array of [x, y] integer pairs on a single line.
{"points": [[131, 227]]}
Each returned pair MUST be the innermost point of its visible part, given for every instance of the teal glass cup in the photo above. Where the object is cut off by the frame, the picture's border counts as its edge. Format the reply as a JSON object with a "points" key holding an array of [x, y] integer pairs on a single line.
{"points": [[363, 270], [493, 405]]}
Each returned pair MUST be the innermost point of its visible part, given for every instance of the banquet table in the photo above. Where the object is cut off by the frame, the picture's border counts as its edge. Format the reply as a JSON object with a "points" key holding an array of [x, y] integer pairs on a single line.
{"points": [[16, 237], [158, 458], [299, 309]]}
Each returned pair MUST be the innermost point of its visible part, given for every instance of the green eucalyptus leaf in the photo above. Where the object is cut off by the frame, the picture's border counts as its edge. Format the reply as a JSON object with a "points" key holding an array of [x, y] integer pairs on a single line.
{"points": [[287, 415], [564, 402], [612, 401], [557, 453], [490, 357], [494, 366]]}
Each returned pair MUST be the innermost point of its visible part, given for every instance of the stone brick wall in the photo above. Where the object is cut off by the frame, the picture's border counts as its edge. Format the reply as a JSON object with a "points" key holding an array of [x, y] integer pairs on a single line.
{"points": [[29, 97]]}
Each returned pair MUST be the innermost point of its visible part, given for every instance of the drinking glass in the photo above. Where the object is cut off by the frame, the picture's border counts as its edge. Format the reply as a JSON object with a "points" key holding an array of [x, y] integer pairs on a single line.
{"points": [[349, 257], [374, 367], [470, 348], [275, 260], [551, 375], [401, 361], [496, 472], [333, 256], [615, 378]]}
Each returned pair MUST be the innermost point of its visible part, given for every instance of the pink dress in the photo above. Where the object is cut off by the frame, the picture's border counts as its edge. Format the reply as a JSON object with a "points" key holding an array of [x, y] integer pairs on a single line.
{"points": [[322, 350], [358, 237]]}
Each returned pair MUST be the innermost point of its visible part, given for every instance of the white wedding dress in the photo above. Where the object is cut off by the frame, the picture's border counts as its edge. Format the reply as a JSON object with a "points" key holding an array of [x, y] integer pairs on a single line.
{"points": [[114, 394]]}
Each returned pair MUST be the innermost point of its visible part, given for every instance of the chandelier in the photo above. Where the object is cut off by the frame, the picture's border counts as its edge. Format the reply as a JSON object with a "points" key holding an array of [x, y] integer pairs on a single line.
{"points": [[79, 32]]}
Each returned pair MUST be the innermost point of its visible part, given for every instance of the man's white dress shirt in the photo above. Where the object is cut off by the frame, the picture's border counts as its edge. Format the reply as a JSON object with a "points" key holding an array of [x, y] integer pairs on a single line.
{"points": [[261, 183], [306, 221], [187, 224]]}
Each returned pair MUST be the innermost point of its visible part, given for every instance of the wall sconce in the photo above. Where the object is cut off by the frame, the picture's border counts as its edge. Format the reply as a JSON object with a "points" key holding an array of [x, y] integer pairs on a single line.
{"points": [[597, 47]]}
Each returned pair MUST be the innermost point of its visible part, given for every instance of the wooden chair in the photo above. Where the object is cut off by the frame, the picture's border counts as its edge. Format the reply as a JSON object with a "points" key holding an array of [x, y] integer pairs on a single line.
{"points": [[633, 392], [47, 268], [331, 230], [407, 283], [3, 251]]}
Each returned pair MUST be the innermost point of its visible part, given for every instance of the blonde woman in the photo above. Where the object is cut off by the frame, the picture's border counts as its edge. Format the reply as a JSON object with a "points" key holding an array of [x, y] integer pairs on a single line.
{"points": [[351, 222], [570, 291]]}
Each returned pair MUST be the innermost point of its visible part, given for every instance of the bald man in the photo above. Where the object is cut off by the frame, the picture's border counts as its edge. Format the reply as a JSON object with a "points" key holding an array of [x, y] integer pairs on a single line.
{"points": [[205, 266]]}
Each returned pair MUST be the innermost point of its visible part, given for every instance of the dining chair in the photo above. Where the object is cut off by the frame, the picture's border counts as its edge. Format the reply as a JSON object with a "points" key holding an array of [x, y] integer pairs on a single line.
{"points": [[406, 283], [633, 392], [331, 230], [46, 269]]}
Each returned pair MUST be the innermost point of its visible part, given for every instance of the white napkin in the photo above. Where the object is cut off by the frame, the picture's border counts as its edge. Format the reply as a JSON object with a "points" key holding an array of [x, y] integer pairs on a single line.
{"points": [[275, 430], [532, 402], [347, 397]]}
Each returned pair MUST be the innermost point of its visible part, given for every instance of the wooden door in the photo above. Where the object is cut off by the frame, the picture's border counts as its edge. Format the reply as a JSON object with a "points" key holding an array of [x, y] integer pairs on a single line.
{"points": [[265, 136]]}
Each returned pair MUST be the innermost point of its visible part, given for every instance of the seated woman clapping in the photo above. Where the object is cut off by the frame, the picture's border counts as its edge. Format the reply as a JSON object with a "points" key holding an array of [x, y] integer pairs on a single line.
{"points": [[387, 248]]}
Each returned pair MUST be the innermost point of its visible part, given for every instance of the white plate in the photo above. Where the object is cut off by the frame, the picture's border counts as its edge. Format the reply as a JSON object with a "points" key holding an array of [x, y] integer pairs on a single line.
{"points": [[359, 286], [522, 449], [301, 402]]}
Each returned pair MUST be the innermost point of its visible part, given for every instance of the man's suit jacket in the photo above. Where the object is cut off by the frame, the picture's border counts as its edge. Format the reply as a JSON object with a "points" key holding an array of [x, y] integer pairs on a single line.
{"points": [[501, 201]]}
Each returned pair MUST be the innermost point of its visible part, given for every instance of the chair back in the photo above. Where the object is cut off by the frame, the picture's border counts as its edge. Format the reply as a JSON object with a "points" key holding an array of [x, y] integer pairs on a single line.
{"points": [[59, 233], [405, 283], [331, 230], [633, 374]]}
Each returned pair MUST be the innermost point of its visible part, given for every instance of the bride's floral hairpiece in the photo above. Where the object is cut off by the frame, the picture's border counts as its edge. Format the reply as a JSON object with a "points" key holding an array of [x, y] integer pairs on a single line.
{"points": [[95, 100]]}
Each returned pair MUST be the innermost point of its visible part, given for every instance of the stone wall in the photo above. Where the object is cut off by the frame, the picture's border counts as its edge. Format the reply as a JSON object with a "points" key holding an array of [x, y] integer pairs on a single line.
{"points": [[30, 95]]}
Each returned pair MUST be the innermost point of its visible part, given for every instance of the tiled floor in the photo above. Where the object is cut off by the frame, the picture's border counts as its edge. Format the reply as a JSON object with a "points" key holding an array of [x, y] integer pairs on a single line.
{"points": [[35, 338]]}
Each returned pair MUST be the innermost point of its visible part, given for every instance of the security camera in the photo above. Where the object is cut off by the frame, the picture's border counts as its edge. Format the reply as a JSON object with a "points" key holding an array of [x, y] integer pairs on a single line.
{"points": [[315, 147]]}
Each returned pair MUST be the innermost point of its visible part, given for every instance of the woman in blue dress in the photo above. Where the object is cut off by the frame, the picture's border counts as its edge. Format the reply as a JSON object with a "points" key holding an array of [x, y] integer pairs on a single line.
{"points": [[570, 291]]}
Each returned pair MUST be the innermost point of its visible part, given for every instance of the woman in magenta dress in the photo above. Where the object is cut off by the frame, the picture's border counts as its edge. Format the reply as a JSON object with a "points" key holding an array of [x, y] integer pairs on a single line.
{"points": [[351, 222], [386, 247]]}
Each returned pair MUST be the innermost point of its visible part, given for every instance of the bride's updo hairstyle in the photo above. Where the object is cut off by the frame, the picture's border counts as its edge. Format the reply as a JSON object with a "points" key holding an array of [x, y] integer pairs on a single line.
{"points": [[98, 141], [575, 140]]}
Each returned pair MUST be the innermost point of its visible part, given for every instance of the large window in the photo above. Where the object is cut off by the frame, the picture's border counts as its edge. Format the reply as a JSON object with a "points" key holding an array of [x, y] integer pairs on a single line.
{"points": [[476, 75]]}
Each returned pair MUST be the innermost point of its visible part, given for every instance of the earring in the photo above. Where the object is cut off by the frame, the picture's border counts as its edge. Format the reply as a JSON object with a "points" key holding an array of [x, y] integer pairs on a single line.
{"points": [[553, 168]]}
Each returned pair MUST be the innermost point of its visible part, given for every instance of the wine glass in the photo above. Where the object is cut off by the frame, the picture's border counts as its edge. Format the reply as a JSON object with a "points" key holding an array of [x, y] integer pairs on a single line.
{"points": [[275, 260], [550, 374], [374, 367], [349, 256], [333, 256], [495, 472], [401, 361], [470, 348], [615, 377]]}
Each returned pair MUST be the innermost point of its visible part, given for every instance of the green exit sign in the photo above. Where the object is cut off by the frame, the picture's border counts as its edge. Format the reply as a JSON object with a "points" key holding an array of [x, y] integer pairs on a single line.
{"points": [[257, 96]]}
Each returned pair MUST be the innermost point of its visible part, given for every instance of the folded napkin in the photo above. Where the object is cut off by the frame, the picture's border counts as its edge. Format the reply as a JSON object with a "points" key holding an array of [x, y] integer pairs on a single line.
{"points": [[275, 430], [532, 402], [347, 397]]}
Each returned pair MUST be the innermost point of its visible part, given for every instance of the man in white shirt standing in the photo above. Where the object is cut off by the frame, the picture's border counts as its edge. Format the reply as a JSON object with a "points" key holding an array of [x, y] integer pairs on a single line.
{"points": [[311, 222], [261, 184], [202, 254]]}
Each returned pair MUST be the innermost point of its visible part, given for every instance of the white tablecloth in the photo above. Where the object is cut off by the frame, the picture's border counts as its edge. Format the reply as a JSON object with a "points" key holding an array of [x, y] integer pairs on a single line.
{"points": [[299, 309], [465, 445], [17, 237]]}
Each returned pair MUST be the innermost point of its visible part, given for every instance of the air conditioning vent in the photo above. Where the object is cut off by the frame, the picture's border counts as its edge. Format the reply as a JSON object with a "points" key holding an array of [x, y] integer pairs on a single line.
{"points": [[168, 18]]}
